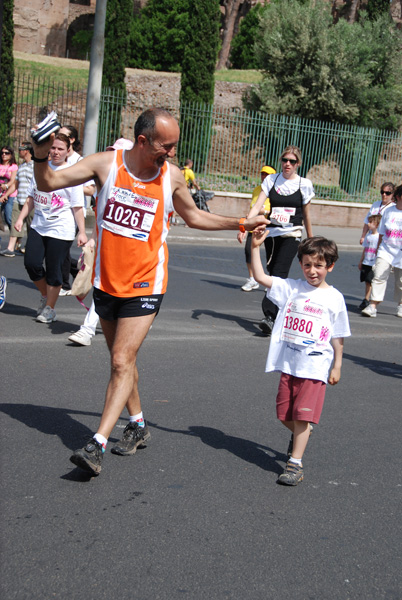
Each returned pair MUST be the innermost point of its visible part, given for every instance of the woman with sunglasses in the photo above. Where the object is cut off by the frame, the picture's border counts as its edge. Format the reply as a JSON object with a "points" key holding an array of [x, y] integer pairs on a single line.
{"points": [[379, 206], [290, 197], [8, 172], [52, 231]]}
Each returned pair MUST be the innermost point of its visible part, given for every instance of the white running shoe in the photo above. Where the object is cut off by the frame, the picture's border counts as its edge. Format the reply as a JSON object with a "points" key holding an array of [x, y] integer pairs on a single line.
{"points": [[42, 305], [64, 292], [250, 285], [369, 311], [48, 315], [399, 310], [81, 338]]}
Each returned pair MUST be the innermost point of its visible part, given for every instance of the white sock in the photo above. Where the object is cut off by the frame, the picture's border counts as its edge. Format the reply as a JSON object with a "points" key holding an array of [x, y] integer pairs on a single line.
{"points": [[102, 440], [298, 461], [139, 419]]}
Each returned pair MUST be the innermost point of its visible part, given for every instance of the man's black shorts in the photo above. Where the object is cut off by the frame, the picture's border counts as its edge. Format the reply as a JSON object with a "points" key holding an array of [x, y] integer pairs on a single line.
{"points": [[111, 308]]}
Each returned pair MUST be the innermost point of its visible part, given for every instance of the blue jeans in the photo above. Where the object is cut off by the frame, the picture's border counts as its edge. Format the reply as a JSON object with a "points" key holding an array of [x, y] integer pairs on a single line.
{"points": [[7, 209]]}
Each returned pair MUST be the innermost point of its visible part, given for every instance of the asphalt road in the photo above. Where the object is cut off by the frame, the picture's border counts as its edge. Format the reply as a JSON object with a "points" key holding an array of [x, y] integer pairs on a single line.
{"points": [[198, 513]]}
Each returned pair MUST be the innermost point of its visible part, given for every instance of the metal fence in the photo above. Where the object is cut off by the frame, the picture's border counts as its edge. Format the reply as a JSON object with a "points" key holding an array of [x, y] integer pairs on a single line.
{"points": [[229, 146]]}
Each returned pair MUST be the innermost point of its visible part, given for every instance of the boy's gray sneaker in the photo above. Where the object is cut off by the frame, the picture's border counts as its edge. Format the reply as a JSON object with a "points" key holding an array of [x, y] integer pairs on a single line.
{"points": [[89, 458], [292, 475], [133, 437]]}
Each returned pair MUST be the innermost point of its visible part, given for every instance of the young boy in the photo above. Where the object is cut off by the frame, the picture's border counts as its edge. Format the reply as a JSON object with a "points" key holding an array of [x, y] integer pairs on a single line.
{"points": [[370, 244], [307, 338]]}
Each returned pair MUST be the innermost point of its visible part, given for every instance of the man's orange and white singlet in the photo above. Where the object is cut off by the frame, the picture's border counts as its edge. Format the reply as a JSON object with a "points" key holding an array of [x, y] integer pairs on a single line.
{"points": [[132, 225]]}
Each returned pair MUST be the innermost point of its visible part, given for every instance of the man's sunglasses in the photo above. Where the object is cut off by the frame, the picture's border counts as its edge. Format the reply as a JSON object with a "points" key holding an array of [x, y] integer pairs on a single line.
{"points": [[386, 193]]}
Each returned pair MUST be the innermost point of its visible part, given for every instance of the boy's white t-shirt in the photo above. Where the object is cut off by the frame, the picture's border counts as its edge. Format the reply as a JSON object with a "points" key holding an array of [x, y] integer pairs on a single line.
{"points": [[53, 215], [377, 208], [370, 244], [391, 229], [308, 318]]}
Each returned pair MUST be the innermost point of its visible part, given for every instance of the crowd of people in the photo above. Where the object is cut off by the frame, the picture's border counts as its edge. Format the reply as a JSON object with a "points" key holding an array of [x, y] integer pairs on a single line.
{"points": [[137, 190]]}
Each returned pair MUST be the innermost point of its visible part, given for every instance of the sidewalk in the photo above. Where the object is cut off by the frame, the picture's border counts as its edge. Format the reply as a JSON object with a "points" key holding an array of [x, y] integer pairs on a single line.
{"points": [[346, 238]]}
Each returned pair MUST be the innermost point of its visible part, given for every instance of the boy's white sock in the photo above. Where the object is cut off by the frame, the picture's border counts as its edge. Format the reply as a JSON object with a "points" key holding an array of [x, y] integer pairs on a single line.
{"points": [[298, 461], [139, 419]]}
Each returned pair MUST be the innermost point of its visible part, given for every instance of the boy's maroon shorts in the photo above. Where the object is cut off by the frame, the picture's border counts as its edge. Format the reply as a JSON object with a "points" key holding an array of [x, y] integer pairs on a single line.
{"points": [[299, 399]]}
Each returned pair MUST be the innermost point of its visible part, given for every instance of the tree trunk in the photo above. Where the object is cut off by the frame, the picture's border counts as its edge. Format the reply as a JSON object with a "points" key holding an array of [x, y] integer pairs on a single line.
{"points": [[232, 7], [353, 11]]}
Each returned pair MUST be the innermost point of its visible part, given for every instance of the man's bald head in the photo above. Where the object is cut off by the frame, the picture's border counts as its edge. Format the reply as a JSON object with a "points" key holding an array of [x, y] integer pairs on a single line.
{"points": [[147, 121]]}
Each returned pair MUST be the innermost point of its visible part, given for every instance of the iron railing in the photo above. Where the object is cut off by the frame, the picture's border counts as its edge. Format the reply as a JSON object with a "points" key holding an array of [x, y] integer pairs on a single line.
{"points": [[229, 146]]}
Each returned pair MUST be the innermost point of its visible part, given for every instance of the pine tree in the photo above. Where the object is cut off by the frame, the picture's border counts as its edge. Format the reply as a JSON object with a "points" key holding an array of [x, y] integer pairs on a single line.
{"points": [[117, 43], [197, 80], [201, 51], [6, 71]]}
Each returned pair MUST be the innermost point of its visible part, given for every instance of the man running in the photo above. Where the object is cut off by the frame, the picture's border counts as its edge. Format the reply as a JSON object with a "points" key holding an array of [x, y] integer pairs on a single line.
{"points": [[137, 191]]}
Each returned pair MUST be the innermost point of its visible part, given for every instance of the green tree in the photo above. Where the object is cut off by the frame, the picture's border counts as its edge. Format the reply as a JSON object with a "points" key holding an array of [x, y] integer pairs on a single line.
{"points": [[197, 78], [158, 35], [6, 71], [345, 72], [378, 8], [117, 44], [242, 54]]}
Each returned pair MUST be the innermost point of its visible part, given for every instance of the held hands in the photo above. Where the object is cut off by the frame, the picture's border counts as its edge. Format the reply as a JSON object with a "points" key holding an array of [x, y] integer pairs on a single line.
{"points": [[258, 237], [258, 223]]}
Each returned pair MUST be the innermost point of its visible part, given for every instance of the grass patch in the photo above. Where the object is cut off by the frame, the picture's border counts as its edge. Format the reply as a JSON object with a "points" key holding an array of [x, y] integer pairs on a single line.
{"points": [[238, 76], [79, 77]]}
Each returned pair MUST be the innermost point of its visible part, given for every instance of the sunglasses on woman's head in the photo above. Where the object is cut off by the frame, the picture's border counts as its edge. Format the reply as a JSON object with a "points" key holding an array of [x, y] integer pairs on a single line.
{"points": [[386, 193], [292, 161]]}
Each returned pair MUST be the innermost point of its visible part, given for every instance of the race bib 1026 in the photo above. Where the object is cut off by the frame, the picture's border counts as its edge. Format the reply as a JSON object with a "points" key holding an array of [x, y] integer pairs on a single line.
{"points": [[129, 214]]}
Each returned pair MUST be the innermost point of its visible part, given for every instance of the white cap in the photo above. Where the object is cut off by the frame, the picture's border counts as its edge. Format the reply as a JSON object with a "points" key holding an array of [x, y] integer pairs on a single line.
{"points": [[121, 144]]}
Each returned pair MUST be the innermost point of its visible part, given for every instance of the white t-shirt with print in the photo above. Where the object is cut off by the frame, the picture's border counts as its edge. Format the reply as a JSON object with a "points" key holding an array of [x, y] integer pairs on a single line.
{"points": [[377, 208], [308, 318], [391, 229], [53, 215]]}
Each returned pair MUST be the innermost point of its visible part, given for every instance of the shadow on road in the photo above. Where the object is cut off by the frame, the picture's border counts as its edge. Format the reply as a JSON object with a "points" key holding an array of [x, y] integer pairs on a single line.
{"points": [[263, 457], [246, 324], [52, 421], [381, 367]]}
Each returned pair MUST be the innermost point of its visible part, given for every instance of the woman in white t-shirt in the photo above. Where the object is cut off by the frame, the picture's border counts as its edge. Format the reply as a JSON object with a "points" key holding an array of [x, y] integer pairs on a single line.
{"points": [[290, 196], [379, 206], [52, 231]]}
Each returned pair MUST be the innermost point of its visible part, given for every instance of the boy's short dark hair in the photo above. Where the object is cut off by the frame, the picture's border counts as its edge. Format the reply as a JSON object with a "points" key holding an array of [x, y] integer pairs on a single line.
{"points": [[326, 249]]}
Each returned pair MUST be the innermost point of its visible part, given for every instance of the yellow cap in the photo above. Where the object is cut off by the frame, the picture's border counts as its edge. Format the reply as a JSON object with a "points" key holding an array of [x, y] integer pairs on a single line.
{"points": [[268, 170]]}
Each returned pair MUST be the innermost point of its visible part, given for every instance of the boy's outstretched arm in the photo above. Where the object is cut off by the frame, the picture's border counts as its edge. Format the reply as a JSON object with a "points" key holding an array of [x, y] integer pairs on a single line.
{"points": [[256, 264], [335, 374]]}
